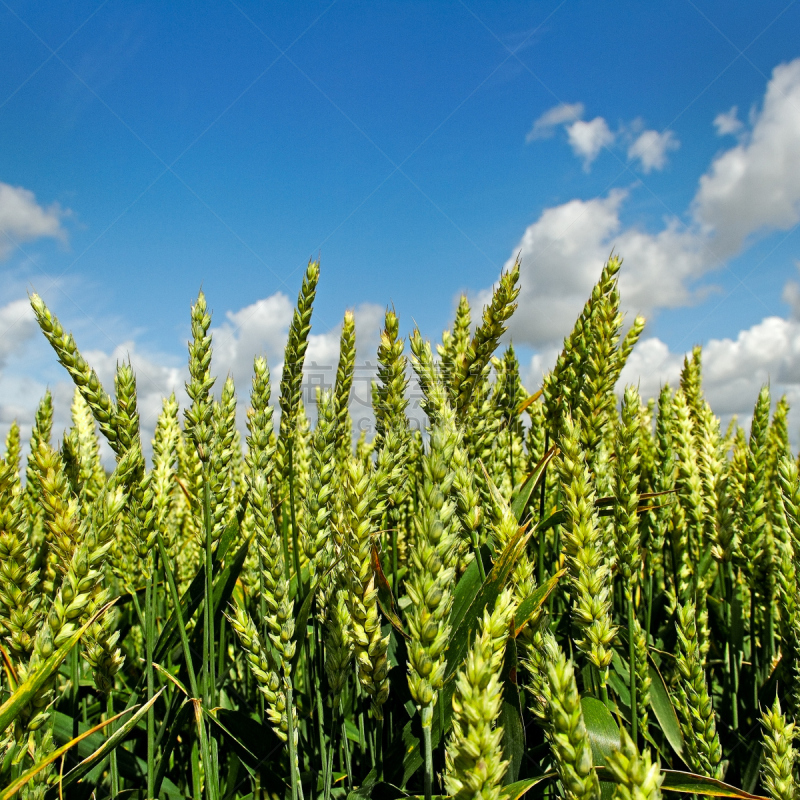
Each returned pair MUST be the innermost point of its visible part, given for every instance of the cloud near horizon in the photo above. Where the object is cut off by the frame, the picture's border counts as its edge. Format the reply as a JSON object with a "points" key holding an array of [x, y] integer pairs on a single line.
{"points": [[563, 250], [260, 328]]}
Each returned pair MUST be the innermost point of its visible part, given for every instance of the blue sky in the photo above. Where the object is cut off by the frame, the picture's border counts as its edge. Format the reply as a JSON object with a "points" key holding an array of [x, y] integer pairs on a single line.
{"points": [[147, 149]]}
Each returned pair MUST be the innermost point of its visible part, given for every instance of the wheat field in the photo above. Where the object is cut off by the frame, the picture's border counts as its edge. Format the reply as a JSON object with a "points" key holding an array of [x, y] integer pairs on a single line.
{"points": [[550, 592]]}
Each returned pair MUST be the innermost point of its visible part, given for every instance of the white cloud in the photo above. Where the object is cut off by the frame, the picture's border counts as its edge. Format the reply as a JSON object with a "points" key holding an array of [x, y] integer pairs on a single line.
{"points": [[17, 327], [734, 370], [587, 139], [545, 126], [22, 219], [755, 186], [562, 252], [651, 148], [258, 329], [728, 123]]}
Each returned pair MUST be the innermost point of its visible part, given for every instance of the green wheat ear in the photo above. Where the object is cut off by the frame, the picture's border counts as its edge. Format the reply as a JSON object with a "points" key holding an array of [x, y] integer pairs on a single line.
{"points": [[293, 360], [695, 709], [84, 377], [590, 578], [344, 383], [780, 754], [429, 586], [637, 777], [474, 764], [199, 417], [566, 729], [469, 367]]}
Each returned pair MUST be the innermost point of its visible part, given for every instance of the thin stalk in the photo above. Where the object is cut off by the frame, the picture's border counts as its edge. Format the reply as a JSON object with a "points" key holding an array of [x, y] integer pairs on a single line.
{"points": [[222, 648], [324, 757], [394, 523], [197, 785], [770, 637], [379, 725], [540, 559], [75, 680], [347, 760], [754, 660], [477, 550], [329, 770], [426, 739], [151, 720], [297, 789], [632, 667], [205, 754], [112, 758], [730, 587]]}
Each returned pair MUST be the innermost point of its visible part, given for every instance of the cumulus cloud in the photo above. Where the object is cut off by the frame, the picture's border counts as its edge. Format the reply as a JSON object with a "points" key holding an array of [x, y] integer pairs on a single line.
{"points": [[544, 126], [260, 328], [728, 123], [17, 327], [587, 139], [22, 219], [734, 369], [765, 166], [650, 149], [563, 250], [561, 255]]}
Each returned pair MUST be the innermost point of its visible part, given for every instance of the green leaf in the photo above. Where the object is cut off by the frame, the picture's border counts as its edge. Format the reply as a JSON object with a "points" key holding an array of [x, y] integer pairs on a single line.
{"points": [[468, 587], [28, 689], [521, 498], [193, 596], [529, 401], [511, 715], [515, 790], [111, 743], [691, 783], [556, 518], [664, 711], [385, 595], [301, 620], [380, 789], [223, 589], [602, 729], [534, 601], [489, 591]]}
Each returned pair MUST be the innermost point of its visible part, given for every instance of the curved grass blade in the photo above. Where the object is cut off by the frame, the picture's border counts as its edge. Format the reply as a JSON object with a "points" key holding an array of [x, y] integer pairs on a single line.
{"points": [[385, 595], [529, 401], [521, 498], [534, 601], [81, 769], [602, 729], [691, 783], [511, 714], [515, 790], [664, 711]]}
